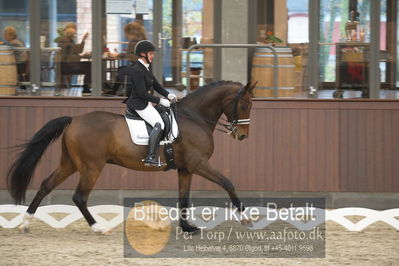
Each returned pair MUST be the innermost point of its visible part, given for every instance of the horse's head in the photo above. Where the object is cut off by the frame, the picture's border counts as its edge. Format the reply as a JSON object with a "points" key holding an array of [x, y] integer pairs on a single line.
{"points": [[237, 108]]}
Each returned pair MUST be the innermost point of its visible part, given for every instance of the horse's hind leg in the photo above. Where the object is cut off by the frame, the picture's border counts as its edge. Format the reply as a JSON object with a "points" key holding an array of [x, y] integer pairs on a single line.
{"points": [[64, 170], [87, 181]]}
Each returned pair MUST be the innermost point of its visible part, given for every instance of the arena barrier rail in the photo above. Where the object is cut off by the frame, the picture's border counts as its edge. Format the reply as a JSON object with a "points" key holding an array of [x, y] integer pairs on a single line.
{"points": [[73, 214]]}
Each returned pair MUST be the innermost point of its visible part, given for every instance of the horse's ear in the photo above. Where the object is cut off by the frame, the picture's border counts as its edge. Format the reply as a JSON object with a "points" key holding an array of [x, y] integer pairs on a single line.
{"points": [[247, 87], [251, 86]]}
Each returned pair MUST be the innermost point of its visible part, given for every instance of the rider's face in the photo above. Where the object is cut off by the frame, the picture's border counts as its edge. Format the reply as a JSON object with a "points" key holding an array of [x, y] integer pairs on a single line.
{"points": [[150, 55]]}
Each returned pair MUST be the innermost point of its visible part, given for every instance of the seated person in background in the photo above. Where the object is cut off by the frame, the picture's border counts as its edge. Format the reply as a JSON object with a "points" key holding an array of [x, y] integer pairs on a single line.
{"points": [[71, 25], [70, 58], [134, 32], [21, 57]]}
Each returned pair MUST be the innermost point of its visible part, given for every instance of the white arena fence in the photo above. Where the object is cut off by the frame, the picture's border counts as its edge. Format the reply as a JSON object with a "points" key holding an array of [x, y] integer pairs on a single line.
{"points": [[73, 214]]}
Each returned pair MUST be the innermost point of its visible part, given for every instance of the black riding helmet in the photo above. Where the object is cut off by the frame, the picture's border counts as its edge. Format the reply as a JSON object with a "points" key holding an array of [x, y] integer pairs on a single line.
{"points": [[143, 46]]}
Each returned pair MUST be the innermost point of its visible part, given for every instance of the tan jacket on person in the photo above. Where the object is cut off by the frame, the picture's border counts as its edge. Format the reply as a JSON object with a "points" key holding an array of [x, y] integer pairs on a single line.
{"points": [[70, 51], [20, 56]]}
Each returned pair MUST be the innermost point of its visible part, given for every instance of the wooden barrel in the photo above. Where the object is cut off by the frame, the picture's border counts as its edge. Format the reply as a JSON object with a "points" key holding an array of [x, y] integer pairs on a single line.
{"points": [[8, 70], [195, 73], [262, 71]]}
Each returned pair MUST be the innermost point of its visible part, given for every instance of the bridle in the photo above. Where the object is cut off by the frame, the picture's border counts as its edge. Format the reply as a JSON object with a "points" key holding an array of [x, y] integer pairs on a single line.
{"points": [[232, 124]]}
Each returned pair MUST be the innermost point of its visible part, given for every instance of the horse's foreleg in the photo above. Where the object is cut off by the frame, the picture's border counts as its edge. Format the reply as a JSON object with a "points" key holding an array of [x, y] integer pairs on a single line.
{"points": [[215, 176], [184, 194], [87, 181]]}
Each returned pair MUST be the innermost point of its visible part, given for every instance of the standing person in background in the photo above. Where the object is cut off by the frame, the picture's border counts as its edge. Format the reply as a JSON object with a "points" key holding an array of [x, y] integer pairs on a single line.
{"points": [[21, 57], [70, 58]]}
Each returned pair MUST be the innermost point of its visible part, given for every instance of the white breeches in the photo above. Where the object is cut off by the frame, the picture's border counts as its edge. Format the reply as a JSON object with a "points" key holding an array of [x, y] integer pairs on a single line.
{"points": [[151, 116]]}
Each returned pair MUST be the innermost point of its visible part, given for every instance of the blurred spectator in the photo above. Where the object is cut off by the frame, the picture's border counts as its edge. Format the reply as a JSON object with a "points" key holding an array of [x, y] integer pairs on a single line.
{"points": [[134, 32], [21, 57], [70, 57]]}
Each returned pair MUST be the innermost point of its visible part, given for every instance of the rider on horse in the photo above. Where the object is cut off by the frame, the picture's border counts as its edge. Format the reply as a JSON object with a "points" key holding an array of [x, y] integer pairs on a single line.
{"points": [[143, 83]]}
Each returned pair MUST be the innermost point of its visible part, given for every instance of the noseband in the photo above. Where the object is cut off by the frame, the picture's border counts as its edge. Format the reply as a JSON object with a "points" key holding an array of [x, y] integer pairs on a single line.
{"points": [[233, 123]]}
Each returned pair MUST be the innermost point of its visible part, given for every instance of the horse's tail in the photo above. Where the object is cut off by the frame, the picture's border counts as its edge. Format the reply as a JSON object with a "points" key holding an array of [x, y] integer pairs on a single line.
{"points": [[21, 171]]}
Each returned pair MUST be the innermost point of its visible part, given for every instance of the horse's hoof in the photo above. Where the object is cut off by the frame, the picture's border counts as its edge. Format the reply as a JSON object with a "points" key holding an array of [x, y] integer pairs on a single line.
{"points": [[23, 229], [190, 229], [107, 233], [100, 229], [246, 222]]}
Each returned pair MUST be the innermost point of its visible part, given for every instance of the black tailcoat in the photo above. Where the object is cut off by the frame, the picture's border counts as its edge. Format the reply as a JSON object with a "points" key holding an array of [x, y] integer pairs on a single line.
{"points": [[142, 84]]}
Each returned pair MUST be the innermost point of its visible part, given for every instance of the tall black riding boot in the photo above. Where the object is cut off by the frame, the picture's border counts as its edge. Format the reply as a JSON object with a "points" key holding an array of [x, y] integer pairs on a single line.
{"points": [[153, 146]]}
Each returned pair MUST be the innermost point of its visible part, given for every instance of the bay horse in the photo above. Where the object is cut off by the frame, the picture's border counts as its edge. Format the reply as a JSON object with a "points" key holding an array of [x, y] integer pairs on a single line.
{"points": [[92, 140]]}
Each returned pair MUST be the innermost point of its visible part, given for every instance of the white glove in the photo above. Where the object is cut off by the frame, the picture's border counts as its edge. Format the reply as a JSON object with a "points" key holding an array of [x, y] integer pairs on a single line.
{"points": [[172, 97], [164, 102]]}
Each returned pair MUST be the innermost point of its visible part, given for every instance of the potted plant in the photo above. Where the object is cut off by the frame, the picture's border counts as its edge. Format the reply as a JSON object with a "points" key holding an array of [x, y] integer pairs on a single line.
{"points": [[272, 39]]}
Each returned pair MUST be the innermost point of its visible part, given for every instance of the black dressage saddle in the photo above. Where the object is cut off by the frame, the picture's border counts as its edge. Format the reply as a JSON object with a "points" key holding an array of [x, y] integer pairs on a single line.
{"points": [[162, 110]]}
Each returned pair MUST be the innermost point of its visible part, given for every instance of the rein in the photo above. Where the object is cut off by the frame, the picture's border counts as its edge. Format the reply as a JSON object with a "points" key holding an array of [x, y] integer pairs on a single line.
{"points": [[171, 119], [230, 126]]}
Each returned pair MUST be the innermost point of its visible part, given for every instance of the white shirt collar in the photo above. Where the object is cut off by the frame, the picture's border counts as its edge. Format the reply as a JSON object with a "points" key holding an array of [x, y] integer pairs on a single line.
{"points": [[144, 64]]}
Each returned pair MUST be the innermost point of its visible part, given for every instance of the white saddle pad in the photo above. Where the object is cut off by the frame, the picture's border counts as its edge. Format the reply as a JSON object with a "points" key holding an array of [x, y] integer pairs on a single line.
{"points": [[139, 133]]}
